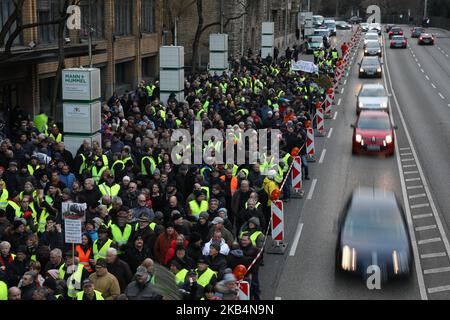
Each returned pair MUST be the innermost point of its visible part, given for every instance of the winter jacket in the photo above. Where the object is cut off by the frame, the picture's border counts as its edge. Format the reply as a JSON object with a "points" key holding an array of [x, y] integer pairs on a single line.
{"points": [[135, 291], [108, 285], [121, 270], [162, 245]]}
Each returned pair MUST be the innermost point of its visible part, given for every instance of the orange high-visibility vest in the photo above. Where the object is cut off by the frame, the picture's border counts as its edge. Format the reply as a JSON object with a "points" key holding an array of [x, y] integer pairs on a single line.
{"points": [[233, 184], [84, 257]]}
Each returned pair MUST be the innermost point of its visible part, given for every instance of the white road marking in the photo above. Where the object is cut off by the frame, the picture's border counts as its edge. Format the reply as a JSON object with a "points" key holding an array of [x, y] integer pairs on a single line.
{"points": [[446, 55], [345, 82], [277, 298], [448, 105], [322, 156], [335, 115], [410, 172], [329, 133], [311, 190], [436, 270], [412, 179], [420, 195], [433, 85], [438, 289], [426, 241], [419, 65], [433, 255], [433, 226], [298, 233], [440, 95], [423, 71], [428, 78], [404, 160], [406, 154], [414, 187], [409, 165], [421, 216], [405, 148], [339, 102], [420, 205], [342, 91]]}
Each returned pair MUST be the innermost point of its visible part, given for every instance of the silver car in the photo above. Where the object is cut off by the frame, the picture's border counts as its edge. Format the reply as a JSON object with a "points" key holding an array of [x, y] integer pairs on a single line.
{"points": [[372, 97], [371, 37]]}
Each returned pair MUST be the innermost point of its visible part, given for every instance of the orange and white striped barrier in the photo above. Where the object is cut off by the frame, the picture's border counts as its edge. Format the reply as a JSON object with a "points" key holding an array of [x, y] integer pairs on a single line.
{"points": [[328, 102], [244, 290], [278, 246], [320, 122], [297, 174], [310, 149]]}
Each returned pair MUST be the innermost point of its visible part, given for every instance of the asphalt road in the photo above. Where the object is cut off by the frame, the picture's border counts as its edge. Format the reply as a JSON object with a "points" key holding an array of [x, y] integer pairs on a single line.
{"points": [[418, 174]]}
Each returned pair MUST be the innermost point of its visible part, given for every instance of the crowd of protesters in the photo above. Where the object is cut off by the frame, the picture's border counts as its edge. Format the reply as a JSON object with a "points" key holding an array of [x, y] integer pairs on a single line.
{"points": [[151, 225]]}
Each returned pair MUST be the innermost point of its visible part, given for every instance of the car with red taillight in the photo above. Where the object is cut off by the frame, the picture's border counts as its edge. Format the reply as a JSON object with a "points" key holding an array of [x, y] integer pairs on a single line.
{"points": [[426, 38], [398, 42], [395, 31], [417, 31], [373, 133]]}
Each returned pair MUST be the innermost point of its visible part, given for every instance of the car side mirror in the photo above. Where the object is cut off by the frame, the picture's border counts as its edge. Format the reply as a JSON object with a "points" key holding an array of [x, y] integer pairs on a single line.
{"points": [[352, 126]]}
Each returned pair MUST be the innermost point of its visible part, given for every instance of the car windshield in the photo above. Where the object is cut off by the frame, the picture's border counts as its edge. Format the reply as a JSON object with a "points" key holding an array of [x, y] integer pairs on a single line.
{"points": [[418, 29], [396, 29], [373, 44], [370, 62], [372, 92], [368, 221], [315, 39], [371, 36], [373, 123], [330, 25], [321, 32]]}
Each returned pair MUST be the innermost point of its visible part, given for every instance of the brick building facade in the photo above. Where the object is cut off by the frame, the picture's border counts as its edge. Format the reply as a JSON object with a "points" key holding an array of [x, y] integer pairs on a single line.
{"points": [[245, 32], [126, 32]]}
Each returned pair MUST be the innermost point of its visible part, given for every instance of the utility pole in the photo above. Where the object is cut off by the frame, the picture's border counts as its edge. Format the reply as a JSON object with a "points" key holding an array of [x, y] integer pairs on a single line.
{"points": [[90, 33], [286, 23], [309, 5], [425, 9], [175, 41], [221, 16], [337, 9]]}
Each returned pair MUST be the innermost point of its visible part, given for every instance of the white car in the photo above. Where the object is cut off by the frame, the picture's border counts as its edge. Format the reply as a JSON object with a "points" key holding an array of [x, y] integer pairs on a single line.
{"points": [[372, 97], [331, 25], [364, 26], [370, 37], [375, 26]]}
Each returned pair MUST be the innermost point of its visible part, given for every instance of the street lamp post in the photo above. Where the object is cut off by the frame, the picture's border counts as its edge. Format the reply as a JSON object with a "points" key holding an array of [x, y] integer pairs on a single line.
{"points": [[90, 33]]}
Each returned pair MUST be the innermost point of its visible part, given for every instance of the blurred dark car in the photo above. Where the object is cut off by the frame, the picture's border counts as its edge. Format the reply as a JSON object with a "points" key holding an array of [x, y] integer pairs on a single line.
{"points": [[426, 38], [355, 19], [398, 42], [417, 31], [370, 67], [373, 231], [388, 27], [395, 31]]}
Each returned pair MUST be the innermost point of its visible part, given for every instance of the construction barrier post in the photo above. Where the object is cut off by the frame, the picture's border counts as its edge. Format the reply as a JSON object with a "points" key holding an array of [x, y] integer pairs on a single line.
{"points": [[320, 122], [297, 177], [244, 290], [310, 149], [278, 246]]}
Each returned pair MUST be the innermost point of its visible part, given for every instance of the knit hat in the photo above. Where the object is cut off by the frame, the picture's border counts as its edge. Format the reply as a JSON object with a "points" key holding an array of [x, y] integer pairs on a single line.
{"points": [[204, 215], [217, 220], [254, 220]]}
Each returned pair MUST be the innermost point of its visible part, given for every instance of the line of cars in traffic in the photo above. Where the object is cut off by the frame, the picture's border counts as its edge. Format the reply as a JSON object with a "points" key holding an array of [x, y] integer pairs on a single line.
{"points": [[372, 232]]}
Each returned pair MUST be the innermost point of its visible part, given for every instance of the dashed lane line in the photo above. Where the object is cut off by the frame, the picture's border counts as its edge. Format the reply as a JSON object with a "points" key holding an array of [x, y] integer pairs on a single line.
{"points": [[430, 227], [428, 78], [420, 205], [420, 195], [335, 115], [339, 102], [311, 190], [427, 241], [440, 95], [329, 133], [436, 270], [322, 156], [433, 85], [433, 255], [422, 216]]}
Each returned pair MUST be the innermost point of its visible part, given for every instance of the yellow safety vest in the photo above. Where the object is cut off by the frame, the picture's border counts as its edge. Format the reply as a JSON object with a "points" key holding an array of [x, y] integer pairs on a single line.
{"points": [[58, 138], [4, 199], [73, 287], [128, 159], [206, 277], [17, 208], [104, 159], [152, 226], [31, 170], [256, 205], [119, 237], [83, 164], [116, 163], [196, 209], [109, 191], [181, 275], [98, 295], [253, 237], [97, 174], [152, 166], [3, 291], [102, 252], [286, 162]]}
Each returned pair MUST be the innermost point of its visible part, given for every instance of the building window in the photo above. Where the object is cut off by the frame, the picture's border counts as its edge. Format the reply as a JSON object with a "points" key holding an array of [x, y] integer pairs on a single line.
{"points": [[48, 10], [6, 9], [96, 14], [148, 16], [123, 17]]}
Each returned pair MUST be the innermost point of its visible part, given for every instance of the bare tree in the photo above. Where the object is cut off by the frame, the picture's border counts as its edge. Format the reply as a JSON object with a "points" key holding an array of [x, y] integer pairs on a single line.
{"points": [[202, 28]]}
